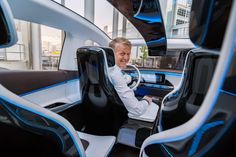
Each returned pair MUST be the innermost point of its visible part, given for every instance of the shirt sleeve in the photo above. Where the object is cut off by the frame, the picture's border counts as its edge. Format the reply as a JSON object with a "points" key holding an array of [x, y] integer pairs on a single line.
{"points": [[132, 104]]}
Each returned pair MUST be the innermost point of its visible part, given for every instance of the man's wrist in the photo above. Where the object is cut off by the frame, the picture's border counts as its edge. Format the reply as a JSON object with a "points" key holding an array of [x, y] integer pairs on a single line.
{"points": [[146, 100]]}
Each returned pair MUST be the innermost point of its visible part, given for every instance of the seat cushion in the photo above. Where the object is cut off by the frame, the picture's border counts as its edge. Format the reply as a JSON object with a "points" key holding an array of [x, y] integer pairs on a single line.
{"points": [[149, 115], [99, 146]]}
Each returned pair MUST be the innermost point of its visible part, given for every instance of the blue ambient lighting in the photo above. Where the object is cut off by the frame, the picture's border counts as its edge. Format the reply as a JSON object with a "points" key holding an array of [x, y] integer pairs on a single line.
{"points": [[47, 87], [154, 19], [208, 21], [157, 72], [157, 42], [229, 93], [198, 137], [33, 125], [167, 150], [44, 115]]}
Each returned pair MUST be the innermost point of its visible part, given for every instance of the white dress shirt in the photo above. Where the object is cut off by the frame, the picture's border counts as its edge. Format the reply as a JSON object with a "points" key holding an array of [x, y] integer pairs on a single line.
{"points": [[132, 104]]}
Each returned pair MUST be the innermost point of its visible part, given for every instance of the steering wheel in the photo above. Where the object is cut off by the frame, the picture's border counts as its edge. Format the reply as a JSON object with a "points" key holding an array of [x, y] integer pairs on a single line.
{"points": [[134, 80]]}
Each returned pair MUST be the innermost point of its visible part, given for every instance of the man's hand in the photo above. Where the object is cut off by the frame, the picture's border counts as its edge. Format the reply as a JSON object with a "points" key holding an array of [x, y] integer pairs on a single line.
{"points": [[148, 98]]}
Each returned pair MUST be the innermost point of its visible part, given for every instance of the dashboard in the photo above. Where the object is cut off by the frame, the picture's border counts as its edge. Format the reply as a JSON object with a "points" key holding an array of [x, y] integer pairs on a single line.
{"points": [[155, 83]]}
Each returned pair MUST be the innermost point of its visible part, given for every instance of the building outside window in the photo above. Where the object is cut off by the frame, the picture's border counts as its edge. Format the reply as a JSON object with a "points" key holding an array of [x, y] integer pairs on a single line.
{"points": [[177, 18], [178, 22], [19, 56], [181, 12]]}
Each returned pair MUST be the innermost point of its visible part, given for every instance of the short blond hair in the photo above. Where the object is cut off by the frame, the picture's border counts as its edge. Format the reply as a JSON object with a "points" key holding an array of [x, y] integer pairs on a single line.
{"points": [[120, 40]]}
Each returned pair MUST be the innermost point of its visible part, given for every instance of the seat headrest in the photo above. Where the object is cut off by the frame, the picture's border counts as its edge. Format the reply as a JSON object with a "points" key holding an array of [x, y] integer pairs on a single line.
{"points": [[208, 21], [105, 52]]}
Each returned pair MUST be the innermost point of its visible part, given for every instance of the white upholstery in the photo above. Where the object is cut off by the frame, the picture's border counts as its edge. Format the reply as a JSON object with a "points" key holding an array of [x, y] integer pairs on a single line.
{"points": [[189, 128], [99, 146], [149, 115]]}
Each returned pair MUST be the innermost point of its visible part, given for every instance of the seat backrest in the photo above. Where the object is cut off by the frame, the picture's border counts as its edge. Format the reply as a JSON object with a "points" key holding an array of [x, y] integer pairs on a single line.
{"points": [[184, 101], [209, 130], [93, 64], [24, 122], [214, 138], [26, 128], [99, 95]]}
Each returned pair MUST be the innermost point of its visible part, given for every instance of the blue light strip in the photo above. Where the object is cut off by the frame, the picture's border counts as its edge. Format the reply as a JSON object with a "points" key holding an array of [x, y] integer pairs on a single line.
{"points": [[47, 87], [167, 150], [149, 19], [159, 72], [141, 92], [33, 125], [158, 41], [208, 21], [229, 93], [46, 116], [198, 137], [158, 86]]}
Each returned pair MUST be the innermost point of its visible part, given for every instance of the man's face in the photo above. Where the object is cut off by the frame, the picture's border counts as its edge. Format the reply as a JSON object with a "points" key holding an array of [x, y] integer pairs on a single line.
{"points": [[122, 55]]}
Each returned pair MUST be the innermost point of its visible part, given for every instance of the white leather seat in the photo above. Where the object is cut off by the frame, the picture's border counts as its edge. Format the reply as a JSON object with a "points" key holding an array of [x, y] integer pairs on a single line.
{"points": [[98, 146], [149, 115]]}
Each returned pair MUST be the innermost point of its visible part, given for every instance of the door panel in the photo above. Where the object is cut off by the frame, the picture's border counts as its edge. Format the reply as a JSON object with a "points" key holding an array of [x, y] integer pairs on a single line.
{"points": [[45, 88]]}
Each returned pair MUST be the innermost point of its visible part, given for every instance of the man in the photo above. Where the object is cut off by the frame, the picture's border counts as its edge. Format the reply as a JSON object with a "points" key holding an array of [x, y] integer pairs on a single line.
{"points": [[122, 50]]}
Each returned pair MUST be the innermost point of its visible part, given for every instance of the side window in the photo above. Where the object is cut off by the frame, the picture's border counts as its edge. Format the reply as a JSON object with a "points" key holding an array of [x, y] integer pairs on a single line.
{"points": [[174, 60], [38, 48], [52, 40], [177, 14]]}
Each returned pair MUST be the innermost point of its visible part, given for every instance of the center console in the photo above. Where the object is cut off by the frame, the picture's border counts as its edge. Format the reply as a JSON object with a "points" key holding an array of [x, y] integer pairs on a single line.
{"points": [[133, 132]]}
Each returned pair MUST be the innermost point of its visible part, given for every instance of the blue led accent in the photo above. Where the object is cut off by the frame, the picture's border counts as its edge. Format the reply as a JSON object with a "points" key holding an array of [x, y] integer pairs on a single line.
{"points": [[158, 86], [73, 80], [229, 93], [198, 137], [133, 74], [175, 94], [46, 116], [33, 125], [158, 41], [167, 150], [47, 87], [154, 72], [165, 73], [154, 19], [208, 21], [141, 92]]}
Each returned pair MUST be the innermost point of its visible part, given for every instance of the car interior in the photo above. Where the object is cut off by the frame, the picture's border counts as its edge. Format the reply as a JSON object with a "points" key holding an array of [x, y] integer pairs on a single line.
{"points": [[76, 110]]}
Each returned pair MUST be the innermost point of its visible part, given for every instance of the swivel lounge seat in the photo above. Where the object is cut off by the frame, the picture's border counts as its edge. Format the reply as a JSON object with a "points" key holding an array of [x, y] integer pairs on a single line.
{"points": [[209, 130], [105, 112], [31, 130]]}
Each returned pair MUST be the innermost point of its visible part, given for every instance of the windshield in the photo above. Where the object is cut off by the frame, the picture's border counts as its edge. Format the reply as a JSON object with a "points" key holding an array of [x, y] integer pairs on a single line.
{"points": [[107, 18]]}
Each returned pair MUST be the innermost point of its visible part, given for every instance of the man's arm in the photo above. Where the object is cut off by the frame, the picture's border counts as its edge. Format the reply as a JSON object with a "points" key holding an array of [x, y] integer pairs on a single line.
{"points": [[148, 99], [132, 104]]}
